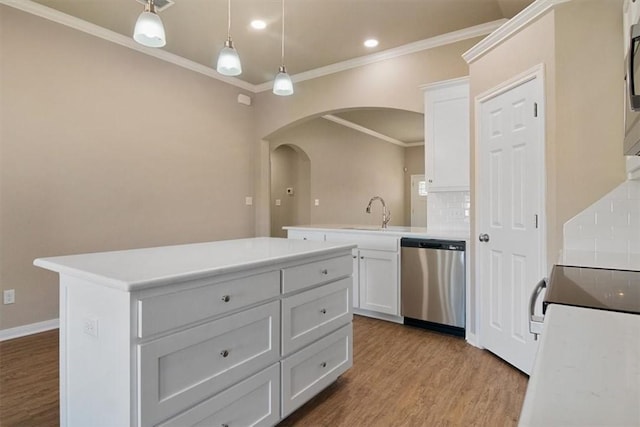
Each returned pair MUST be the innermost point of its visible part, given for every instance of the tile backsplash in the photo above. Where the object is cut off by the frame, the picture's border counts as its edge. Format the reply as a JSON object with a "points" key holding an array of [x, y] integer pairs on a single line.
{"points": [[611, 225], [448, 211]]}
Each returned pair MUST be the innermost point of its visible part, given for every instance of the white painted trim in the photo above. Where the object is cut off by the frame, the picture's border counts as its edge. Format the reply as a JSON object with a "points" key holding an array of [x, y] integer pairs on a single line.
{"points": [[515, 24], [100, 32], [430, 43], [33, 328], [365, 130], [445, 83], [108, 35], [536, 72]]}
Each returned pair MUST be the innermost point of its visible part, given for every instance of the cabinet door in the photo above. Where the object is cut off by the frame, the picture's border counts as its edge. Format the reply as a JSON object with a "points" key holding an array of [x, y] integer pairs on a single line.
{"points": [[379, 281], [447, 136]]}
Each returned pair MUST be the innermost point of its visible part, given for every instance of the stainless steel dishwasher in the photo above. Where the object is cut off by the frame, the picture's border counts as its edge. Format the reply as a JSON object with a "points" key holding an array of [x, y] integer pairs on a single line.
{"points": [[433, 284]]}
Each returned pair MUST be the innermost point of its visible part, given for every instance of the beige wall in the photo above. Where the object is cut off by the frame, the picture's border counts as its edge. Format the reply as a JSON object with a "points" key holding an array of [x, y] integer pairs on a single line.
{"points": [[290, 168], [104, 148], [414, 163], [393, 83], [347, 169]]}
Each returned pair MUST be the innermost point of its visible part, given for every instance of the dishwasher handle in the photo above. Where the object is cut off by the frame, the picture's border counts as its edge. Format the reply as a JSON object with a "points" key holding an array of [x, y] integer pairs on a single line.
{"points": [[449, 245]]}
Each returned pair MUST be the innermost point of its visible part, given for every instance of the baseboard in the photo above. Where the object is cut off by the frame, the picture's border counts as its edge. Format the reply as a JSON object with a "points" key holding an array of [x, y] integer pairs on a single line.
{"points": [[33, 328]]}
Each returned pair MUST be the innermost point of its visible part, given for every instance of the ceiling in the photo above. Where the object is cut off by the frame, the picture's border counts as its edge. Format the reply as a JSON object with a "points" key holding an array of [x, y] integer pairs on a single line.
{"points": [[318, 32]]}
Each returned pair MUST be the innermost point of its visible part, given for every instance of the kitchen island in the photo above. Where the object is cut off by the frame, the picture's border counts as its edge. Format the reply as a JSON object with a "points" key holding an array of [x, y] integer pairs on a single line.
{"points": [[238, 332]]}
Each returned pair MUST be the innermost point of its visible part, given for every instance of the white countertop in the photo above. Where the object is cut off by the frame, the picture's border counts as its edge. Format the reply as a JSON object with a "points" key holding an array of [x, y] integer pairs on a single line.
{"points": [[587, 370], [137, 269], [620, 261], [392, 230]]}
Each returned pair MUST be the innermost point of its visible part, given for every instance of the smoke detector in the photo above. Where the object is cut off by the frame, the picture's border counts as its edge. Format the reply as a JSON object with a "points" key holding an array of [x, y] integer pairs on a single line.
{"points": [[160, 4]]}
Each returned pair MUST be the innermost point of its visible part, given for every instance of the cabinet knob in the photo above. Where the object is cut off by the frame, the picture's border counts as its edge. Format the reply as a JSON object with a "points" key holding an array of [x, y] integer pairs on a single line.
{"points": [[224, 353], [323, 311], [430, 181], [361, 257], [324, 271], [354, 257], [226, 298], [224, 425], [323, 364]]}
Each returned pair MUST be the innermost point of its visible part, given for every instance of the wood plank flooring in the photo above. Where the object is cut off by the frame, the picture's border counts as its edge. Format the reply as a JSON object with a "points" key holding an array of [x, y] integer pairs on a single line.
{"points": [[402, 376], [29, 381]]}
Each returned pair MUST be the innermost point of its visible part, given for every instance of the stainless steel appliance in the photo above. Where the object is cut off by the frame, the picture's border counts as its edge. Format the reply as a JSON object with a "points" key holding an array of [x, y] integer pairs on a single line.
{"points": [[632, 104], [433, 284], [588, 287]]}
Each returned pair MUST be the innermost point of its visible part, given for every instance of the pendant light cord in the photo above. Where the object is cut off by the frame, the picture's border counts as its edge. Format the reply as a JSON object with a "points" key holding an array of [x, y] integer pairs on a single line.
{"points": [[282, 53], [229, 20]]}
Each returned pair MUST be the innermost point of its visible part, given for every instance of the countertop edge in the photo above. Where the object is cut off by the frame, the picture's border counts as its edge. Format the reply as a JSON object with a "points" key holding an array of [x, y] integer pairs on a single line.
{"points": [[443, 235], [133, 286]]}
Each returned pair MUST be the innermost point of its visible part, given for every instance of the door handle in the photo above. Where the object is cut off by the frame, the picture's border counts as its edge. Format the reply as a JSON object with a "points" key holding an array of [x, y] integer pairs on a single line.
{"points": [[535, 322], [484, 237]]}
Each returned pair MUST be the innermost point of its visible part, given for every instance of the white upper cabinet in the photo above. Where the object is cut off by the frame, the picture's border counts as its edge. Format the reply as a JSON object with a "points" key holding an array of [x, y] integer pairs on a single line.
{"points": [[447, 135]]}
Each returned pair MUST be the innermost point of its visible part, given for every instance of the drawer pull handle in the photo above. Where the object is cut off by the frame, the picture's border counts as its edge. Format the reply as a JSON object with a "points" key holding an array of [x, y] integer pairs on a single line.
{"points": [[324, 271], [323, 311], [224, 425], [226, 298], [224, 353], [323, 364]]}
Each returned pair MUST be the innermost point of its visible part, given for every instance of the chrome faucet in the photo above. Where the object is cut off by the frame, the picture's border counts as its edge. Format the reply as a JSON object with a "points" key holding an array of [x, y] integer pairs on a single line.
{"points": [[386, 214]]}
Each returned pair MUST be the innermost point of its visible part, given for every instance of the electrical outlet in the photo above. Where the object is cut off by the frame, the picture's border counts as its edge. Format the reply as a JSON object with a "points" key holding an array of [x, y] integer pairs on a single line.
{"points": [[248, 201], [90, 327], [316, 202], [278, 202], [9, 296]]}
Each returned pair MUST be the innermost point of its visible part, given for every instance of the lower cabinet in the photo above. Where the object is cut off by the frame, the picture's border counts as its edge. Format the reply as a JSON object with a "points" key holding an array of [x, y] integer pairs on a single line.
{"points": [[378, 281]]}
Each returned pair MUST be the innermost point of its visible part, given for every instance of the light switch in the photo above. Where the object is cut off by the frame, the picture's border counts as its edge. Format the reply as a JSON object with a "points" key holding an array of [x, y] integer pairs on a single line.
{"points": [[248, 201]]}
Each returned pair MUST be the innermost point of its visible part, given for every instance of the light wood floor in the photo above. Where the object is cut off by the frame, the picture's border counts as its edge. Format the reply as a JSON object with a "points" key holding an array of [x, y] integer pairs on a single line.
{"points": [[401, 376]]}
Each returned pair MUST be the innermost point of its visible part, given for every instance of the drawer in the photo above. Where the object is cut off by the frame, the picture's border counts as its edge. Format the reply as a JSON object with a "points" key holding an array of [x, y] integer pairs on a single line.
{"points": [[315, 273], [310, 370], [253, 402], [366, 241], [168, 311], [305, 235], [313, 314], [182, 369]]}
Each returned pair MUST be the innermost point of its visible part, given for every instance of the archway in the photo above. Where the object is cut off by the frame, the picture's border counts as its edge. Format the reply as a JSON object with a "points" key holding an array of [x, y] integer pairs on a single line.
{"points": [[290, 191]]}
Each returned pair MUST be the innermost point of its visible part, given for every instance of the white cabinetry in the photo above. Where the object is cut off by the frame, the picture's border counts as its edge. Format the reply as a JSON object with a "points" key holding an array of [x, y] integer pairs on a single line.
{"points": [[376, 274], [245, 344], [447, 135]]}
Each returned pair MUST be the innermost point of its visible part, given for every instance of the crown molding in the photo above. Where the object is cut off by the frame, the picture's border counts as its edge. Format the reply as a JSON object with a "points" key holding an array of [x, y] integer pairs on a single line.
{"points": [[111, 36], [430, 43], [53, 15], [512, 26]]}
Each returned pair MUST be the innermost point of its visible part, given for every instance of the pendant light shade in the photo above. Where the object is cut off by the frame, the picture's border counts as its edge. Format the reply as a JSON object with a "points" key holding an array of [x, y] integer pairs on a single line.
{"points": [[149, 30], [228, 59], [283, 85]]}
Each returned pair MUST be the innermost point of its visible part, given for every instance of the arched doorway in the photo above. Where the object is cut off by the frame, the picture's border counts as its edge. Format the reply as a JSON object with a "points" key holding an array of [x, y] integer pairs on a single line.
{"points": [[290, 188]]}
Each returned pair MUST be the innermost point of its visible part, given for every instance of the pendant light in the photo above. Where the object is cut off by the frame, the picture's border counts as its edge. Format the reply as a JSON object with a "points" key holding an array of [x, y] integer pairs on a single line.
{"points": [[283, 85], [149, 30], [228, 59]]}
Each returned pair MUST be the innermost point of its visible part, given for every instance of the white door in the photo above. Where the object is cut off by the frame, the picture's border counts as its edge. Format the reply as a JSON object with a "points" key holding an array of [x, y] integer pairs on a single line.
{"points": [[418, 201], [510, 170]]}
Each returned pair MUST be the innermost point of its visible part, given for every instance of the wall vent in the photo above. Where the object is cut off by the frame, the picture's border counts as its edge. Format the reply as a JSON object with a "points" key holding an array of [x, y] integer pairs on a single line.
{"points": [[160, 4]]}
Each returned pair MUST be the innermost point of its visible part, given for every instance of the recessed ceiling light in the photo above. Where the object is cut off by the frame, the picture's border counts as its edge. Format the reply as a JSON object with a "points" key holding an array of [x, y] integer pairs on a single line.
{"points": [[371, 43], [258, 24]]}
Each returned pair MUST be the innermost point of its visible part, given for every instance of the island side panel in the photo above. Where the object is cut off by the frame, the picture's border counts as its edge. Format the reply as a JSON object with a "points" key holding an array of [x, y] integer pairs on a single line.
{"points": [[95, 355]]}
